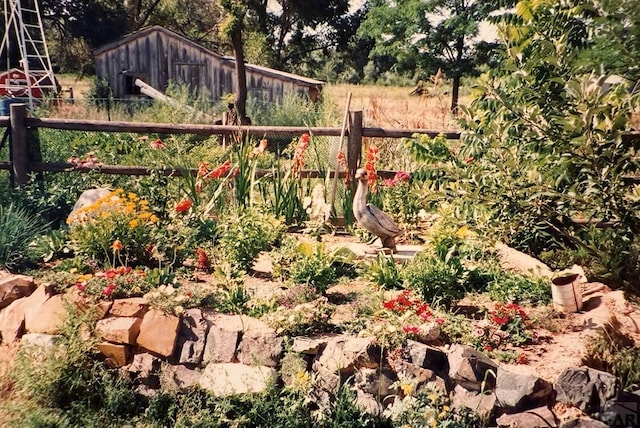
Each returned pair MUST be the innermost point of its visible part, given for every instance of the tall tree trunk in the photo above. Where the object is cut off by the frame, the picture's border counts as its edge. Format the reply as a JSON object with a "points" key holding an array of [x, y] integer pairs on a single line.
{"points": [[455, 91], [241, 77]]}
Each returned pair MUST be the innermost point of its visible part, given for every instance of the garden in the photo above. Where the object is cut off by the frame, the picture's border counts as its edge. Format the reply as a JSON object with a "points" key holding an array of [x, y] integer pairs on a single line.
{"points": [[250, 255]]}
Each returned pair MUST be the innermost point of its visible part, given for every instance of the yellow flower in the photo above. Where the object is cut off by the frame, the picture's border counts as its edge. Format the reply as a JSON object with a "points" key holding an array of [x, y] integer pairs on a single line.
{"points": [[153, 219], [133, 197], [133, 223], [144, 215], [118, 191], [407, 388], [433, 397]]}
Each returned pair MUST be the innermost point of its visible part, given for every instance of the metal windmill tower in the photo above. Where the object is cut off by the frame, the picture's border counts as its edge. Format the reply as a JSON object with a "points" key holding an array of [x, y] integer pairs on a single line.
{"points": [[27, 72]]}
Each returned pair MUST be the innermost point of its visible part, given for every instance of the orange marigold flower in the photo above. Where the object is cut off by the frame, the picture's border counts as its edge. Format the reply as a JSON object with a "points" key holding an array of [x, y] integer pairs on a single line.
{"points": [[117, 245], [183, 206]]}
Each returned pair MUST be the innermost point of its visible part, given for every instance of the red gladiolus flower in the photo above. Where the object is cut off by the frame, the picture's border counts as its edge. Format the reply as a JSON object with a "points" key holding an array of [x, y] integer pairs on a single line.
{"points": [[372, 156], [298, 157], [203, 169], [183, 206]]}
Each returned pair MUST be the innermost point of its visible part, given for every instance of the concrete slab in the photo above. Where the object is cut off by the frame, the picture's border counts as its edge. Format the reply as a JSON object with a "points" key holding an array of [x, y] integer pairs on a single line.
{"points": [[364, 250]]}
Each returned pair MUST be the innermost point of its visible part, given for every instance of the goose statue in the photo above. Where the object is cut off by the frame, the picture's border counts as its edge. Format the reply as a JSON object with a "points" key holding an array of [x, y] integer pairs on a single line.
{"points": [[373, 218]]}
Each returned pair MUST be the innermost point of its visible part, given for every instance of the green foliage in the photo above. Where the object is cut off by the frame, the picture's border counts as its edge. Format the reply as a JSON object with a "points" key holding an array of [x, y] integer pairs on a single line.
{"points": [[69, 379], [243, 236], [542, 145], [508, 287], [382, 270], [100, 93], [438, 281], [312, 264], [18, 229]]}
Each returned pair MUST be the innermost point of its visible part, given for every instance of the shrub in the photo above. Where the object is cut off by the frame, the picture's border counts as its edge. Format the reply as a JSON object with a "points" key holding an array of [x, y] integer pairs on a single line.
{"points": [[439, 282], [382, 270], [509, 287], [18, 229], [242, 237]]}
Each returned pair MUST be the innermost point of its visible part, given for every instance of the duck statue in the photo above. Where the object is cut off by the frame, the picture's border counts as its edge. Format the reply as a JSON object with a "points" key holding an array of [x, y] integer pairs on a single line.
{"points": [[373, 218]]}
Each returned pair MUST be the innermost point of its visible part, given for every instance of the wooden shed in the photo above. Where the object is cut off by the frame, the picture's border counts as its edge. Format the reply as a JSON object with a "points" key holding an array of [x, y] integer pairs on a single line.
{"points": [[159, 56]]}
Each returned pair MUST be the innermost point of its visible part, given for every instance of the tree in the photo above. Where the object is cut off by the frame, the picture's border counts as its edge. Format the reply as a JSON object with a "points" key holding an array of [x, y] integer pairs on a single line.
{"points": [[418, 37], [543, 158], [232, 28]]}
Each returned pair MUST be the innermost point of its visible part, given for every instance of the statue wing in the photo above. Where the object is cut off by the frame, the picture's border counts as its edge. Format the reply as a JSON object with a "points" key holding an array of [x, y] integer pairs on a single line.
{"points": [[384, 220]]}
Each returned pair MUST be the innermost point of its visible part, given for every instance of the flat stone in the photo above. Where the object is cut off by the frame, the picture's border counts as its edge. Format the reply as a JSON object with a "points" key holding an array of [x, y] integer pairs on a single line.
{"points": [[517, 261], [192, 336], [158, 332], [309, 345], [226, 379], [260, 347], [344, 354], [428, 357], [13, 317], [50, 318], [15, 287], [588, 389], [482, 404], [117, 354], [35, 302], [179, 377], [119, 329], [39, 339], [130, 307], [146, 368]]}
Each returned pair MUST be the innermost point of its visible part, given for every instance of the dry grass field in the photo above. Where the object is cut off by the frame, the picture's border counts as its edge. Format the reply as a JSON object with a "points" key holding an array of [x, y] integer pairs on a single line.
{"points": [[382, 106], [394, 107]]}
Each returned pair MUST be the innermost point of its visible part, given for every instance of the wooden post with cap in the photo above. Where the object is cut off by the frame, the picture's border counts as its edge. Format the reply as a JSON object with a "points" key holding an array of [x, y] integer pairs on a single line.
{"points": [[18, 152]]}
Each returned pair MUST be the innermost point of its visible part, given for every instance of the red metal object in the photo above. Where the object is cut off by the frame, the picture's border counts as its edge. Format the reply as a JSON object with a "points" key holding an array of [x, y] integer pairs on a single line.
{"points": [[14, 83]]}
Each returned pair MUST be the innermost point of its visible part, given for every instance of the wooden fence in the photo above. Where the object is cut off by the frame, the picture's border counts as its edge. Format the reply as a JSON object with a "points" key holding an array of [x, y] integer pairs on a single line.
{"points": [[20, 166]]}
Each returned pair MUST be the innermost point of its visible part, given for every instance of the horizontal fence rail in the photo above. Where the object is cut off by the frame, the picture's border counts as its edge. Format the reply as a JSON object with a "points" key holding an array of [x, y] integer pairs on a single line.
{"points": [[20, 166]]}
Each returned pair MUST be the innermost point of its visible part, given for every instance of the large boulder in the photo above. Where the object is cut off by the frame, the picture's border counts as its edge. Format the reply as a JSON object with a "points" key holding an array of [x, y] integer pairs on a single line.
{"points": [[588, 389], [516, 392], [158, 332], [15, 287], [471, 369]]}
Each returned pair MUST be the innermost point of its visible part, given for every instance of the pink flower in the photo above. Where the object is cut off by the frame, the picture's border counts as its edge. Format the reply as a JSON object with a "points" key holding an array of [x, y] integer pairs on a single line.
{"points": [[108, 290], [389, 182], [402, 176], [80, 286]]}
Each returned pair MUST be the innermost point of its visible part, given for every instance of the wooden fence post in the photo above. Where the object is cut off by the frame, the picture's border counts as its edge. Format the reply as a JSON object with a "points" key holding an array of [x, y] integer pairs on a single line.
{"points": [[18, 150], [354, 146]]}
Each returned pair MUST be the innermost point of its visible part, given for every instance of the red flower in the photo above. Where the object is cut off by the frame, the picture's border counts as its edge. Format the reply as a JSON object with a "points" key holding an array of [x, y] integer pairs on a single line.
{"points": [[221, 170], [372, 156], [108, 290], [487, 348], [202, 259], [500, 320], [522, 359], [440, 320], [203, 169], [183, 206], [157, 144], [298, 157], [411, 329], [468, 160], [81, 286]]}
